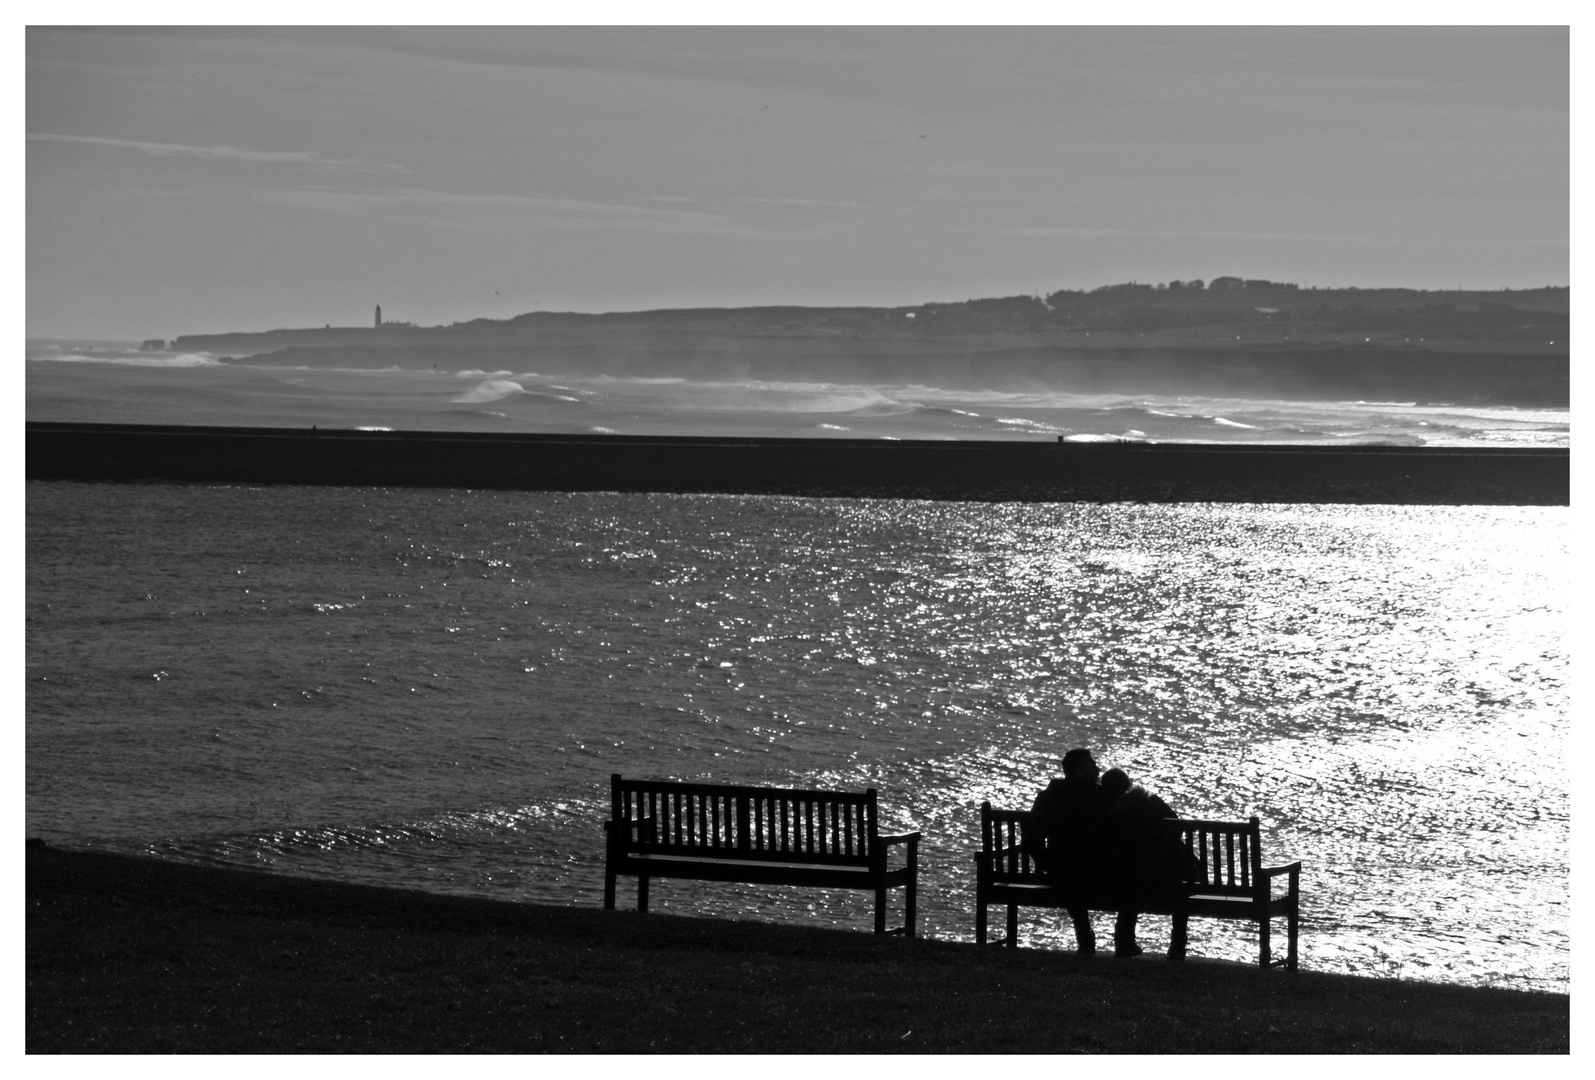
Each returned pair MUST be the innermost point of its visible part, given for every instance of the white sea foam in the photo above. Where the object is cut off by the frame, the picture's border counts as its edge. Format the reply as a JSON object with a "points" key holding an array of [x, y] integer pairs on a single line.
{"points": [[127, 359], [67, 381], [1022, 422], [489, 390], [1545, 417], [1092, 437]]}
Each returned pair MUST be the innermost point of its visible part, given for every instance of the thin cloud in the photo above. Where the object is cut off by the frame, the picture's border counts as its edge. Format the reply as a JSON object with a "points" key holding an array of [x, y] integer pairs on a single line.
{"points": [[212, 153], [1180, 234], [527, 212], [827, 203]]}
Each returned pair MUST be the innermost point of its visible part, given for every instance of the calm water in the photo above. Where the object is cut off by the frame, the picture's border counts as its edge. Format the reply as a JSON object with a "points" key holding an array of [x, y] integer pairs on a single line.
{"points": [[431, 688]]}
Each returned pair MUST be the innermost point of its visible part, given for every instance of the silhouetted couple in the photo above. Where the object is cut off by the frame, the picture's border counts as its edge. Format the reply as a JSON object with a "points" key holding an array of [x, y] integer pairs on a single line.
{"points": [[1099, 839]]}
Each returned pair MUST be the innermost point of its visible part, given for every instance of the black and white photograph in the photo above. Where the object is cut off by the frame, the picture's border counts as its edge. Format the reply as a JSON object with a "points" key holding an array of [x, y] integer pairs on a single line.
{"points": [[796, 532]]}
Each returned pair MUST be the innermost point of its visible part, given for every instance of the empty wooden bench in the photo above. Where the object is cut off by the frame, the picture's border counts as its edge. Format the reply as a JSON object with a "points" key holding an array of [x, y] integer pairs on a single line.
{"points": [[761, 836], [1226, 880]]}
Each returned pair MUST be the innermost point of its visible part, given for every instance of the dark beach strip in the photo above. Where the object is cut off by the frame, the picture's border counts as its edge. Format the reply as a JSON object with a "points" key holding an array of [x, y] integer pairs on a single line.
{"points": [[865, 468], [130, 954]]}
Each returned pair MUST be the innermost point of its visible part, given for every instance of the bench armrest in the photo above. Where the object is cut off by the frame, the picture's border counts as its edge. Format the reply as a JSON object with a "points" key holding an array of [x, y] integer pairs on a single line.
{"points": [[911, 838], [1290, 871], [884, 844]]}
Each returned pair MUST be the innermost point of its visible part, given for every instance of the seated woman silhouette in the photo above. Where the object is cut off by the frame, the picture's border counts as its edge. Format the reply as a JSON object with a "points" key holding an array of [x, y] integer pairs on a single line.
{"points": [[1124, 801], [1138, 856]]}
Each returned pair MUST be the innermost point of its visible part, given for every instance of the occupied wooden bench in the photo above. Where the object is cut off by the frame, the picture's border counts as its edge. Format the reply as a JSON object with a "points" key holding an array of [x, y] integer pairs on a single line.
{"points": [[761, 836], [1226, 880]]}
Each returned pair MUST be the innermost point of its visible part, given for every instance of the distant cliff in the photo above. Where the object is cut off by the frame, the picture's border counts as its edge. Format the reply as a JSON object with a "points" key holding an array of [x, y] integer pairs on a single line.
{"points": [[1231, 337]]}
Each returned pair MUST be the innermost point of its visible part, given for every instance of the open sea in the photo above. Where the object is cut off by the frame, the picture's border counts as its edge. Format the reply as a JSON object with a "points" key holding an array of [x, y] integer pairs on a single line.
{"points": [[106, 382], [430, 688]]}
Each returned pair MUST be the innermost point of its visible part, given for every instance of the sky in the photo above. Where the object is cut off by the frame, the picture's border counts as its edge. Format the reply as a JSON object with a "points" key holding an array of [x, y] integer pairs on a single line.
{"points": [[184, 180]]}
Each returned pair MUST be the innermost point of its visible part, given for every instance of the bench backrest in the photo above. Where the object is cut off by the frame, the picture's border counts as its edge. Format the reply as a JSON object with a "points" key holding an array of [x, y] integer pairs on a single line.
{"points": [[721, 820], [1227, 855]]}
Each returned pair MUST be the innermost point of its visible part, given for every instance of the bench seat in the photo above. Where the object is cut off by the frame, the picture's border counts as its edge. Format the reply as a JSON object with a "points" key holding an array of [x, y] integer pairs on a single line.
{"points": [[757, 872]]}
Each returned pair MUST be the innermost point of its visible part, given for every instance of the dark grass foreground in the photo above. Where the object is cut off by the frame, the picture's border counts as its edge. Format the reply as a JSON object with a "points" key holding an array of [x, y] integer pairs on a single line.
{"points": [[128, 954]]}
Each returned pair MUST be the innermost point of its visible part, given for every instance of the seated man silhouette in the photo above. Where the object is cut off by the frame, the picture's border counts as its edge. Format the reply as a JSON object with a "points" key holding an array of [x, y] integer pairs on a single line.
{"points": [[1067, 846]]}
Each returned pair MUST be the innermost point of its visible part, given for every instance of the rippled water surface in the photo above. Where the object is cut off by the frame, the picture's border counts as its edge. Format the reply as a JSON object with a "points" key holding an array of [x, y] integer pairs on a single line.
{"points": [[431, 688]]}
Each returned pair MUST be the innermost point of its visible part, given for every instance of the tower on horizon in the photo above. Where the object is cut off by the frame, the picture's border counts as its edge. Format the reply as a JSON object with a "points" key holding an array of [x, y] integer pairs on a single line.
{"points": [[379, 315]]}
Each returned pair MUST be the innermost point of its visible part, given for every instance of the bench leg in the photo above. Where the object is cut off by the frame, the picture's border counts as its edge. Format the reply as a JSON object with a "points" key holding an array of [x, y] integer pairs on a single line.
{"points": [[1179, 935], [910, 909], [980, 923], [609, 890], [1262, 940], [642, 893], [880, 909], [1290, 939], [1013, 926]]}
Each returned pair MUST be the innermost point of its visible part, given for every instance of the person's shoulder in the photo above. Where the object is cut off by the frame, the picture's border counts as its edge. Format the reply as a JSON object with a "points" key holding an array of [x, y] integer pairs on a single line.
{"points": [[1133, 799], [1051, 793]]}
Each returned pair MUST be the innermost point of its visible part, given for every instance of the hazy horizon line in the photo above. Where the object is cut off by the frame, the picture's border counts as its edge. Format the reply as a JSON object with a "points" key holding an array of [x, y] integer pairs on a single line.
{"points": [[1155, 286]]}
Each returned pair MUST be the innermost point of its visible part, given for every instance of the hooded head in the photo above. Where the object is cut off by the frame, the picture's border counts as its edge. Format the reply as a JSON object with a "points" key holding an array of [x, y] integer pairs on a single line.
{"points": [[1115, 782]]}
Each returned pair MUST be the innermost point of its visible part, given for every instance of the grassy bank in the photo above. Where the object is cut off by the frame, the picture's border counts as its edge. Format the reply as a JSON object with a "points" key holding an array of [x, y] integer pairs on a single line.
{"points": [[132, 954]]}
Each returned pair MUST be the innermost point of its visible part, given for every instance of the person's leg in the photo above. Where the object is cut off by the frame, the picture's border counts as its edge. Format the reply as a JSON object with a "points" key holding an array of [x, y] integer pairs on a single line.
{"points": [[1085, 937], [1177, 936], [1124, 933]]}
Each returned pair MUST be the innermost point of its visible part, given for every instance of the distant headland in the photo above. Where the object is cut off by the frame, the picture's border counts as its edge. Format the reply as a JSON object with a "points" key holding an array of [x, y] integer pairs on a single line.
{"points": [[1225, 337]]}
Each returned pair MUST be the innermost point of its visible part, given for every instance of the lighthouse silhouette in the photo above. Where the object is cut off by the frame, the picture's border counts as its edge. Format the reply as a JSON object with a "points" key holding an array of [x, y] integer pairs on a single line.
{"points": [[379, 315]]}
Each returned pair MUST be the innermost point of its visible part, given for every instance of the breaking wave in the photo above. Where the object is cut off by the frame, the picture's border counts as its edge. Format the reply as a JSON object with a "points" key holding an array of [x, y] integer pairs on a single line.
{"points": [[120, 383], [120, 355]]}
